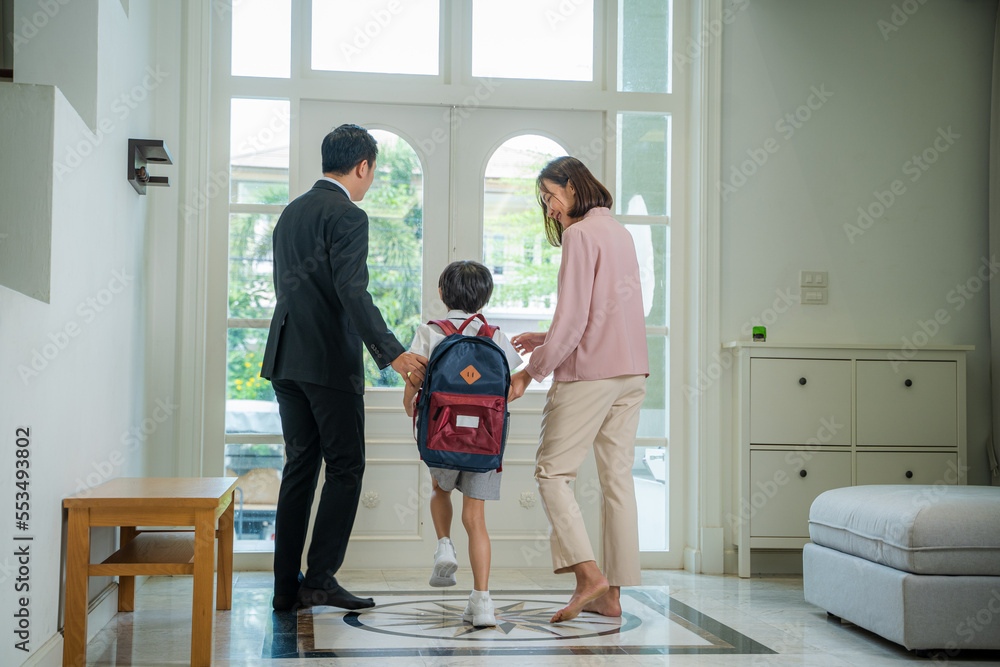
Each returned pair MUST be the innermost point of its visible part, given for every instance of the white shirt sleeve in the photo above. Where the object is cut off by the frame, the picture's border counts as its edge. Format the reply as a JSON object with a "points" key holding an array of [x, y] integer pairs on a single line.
{"points": [[513, 358], [422, 341]]}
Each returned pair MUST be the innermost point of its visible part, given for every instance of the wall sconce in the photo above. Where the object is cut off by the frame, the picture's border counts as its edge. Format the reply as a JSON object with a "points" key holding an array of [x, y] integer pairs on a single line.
{"points": [[141, 151]]}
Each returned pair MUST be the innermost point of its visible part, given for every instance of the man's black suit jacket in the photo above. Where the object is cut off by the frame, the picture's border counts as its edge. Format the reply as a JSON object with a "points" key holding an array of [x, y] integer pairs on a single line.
{"points": [[324, 312]]}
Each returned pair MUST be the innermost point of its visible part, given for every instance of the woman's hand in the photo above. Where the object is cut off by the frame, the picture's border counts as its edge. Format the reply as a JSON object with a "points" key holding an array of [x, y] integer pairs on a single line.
{"points": [[519, 381], [526, 342]]}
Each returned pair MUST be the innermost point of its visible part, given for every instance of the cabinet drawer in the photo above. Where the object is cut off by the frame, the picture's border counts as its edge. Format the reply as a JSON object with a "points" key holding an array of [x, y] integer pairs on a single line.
{"points": [[910, 403], [800, 401], [907, 468], [780, 497]]}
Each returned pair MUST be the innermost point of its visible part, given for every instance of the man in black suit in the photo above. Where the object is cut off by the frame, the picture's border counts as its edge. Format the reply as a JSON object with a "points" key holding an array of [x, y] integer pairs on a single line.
{"points": [[314, 360]]}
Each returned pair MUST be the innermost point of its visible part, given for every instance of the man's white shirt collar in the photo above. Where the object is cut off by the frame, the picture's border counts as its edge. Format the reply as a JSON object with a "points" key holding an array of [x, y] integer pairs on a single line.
{"points": [[339, 184]]}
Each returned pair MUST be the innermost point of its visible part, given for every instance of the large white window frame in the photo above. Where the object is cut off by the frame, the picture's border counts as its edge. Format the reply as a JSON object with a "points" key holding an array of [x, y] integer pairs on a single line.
{"points": [[453, 86]]}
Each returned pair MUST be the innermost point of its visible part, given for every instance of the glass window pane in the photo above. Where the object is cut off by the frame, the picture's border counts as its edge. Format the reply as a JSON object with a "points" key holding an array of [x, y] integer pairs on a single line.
{"points": [[653, 417], [258, 470], [652, 249], [524, 265], [258, 149], [533, 39], [643, 164], [394, 37], [650, 472], [394, 204], [262, 38], [644, 39], [251, 288], [250, 402]]}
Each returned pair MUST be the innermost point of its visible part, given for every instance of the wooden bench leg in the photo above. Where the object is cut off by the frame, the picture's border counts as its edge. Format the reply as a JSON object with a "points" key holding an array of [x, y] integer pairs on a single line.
{"points": [[202, 614], [126, 585], [77, 574], [224, 576]]}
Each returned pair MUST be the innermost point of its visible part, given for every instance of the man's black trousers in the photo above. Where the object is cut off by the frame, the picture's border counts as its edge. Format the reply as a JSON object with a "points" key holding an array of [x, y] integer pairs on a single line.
{"points": [[318, 424]]}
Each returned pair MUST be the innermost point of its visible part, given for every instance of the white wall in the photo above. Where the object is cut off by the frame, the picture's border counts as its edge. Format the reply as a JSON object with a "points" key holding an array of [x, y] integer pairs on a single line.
{"points": [[86, 398], [26, 222], [164, 230], [55, 42], [884, 85]]}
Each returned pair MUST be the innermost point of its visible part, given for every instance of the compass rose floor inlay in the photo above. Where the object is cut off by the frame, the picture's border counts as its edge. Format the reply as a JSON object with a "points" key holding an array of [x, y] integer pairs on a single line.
{"points": [[421, 623]]}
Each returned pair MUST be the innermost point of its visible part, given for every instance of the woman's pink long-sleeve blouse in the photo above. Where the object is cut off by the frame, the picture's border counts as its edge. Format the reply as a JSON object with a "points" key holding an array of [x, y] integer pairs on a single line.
{"points": [[599, 328]]}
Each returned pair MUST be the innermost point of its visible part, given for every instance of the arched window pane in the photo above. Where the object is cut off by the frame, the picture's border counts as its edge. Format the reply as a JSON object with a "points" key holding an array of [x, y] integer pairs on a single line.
{"points": [[524, 265], [533, 39], [394, 204]]}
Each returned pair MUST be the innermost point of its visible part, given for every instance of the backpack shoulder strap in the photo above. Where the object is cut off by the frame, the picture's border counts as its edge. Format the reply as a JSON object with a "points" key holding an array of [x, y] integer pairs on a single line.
{"points": [[485, 330], [446, 326]]}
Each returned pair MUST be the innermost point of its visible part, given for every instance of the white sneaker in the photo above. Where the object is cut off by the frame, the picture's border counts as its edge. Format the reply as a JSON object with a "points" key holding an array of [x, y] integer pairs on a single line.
{"points": [[445, 564], [480, 610]]}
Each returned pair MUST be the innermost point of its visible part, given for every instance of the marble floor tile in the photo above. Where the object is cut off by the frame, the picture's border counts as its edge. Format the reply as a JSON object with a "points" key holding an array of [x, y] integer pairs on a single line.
{"points": [[676, 618]]}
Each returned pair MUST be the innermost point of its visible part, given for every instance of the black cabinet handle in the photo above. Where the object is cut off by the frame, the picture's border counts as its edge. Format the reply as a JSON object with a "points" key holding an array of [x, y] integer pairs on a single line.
{"points": [[802, 380], [909, 383], [802, 473], [909, 474]]}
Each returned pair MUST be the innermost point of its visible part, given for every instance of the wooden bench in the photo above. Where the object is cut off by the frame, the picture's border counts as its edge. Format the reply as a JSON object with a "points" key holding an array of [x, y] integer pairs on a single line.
{"points": [[129, 502]]}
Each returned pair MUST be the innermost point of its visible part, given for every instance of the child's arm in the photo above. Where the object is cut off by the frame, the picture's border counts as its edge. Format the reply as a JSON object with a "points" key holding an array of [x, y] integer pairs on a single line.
{"points": [[409, 393], [421, 346]]}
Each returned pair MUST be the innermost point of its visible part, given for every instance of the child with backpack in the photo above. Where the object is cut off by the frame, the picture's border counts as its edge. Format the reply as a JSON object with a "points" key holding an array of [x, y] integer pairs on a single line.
{"points": [[465, 288]]}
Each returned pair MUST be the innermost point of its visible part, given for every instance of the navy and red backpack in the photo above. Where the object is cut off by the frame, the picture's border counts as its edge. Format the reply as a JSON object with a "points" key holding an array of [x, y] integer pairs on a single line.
{"points": [[461, 417]]}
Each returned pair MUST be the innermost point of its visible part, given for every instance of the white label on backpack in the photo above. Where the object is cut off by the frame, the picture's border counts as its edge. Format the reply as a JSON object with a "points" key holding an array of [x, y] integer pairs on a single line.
{"points": [[466, 421]]}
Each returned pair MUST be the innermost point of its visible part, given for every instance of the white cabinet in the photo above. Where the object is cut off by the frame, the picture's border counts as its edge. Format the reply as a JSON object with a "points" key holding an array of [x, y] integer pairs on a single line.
{"points": [[794, 396], [907, 404], [907, 467], [809, 418], [784, 483]]}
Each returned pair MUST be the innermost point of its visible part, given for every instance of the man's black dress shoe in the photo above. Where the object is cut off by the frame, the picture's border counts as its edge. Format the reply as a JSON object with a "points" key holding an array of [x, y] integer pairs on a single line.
{"points": [[284, 602], [334, 597]]}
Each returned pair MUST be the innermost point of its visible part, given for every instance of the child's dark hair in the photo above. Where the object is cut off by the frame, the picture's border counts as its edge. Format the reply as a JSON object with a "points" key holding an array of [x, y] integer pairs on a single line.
{"points": [[466, 286]]}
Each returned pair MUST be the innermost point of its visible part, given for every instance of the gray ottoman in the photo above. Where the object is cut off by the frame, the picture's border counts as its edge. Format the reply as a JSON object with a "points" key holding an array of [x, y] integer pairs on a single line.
{"points": [[918, 565]]}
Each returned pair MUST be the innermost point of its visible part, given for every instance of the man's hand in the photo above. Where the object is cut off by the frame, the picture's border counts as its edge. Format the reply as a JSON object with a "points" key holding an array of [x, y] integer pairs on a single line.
{"points": [[528, 341], [519, 381], [411, 367]]}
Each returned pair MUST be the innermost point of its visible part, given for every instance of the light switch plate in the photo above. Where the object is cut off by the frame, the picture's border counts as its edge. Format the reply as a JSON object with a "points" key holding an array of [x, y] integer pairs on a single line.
{"points": [[813, 278], [813, 296]]}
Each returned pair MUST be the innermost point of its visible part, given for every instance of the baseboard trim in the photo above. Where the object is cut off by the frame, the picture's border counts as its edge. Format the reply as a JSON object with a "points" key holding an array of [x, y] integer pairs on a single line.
{"points": [[692, 560], [712, 550], [100, 611], [731, 562], [48, 654], [776, 562], [252, 561]]}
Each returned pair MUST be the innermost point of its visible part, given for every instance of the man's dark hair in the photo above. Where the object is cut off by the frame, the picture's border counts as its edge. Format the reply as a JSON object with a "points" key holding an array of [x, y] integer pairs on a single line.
{"points": [[590, 193], [466, 286], [346, 147]]}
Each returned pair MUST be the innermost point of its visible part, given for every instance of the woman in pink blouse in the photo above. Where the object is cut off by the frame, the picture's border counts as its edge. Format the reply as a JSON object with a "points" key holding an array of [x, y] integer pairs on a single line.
{"points": [[596, 348]]}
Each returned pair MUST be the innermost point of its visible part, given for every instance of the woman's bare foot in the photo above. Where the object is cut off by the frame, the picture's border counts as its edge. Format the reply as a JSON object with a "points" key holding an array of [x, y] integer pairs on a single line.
{"points": [[587, 591], [608, 604]]}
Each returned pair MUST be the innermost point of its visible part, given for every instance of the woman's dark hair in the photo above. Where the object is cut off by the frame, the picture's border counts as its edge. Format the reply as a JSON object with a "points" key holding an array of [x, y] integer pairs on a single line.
{"points": [[466, 286], [590, 193], [346, 147]]}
